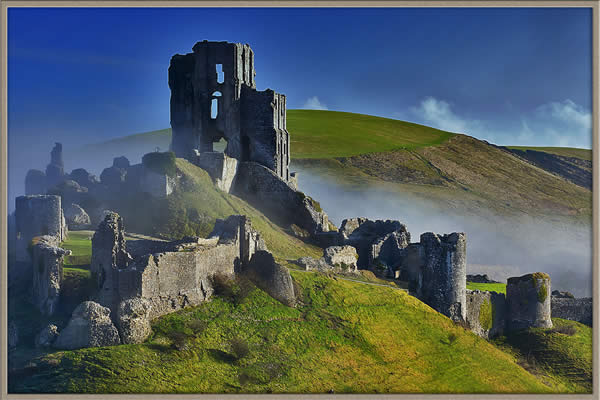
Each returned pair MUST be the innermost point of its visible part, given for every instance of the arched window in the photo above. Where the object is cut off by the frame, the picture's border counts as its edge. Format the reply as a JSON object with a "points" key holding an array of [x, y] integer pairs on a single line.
{"points": [[214, 105]]}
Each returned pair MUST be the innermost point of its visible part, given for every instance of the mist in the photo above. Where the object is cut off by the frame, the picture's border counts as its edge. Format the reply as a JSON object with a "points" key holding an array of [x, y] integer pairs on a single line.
{"points": [[498, 246]]}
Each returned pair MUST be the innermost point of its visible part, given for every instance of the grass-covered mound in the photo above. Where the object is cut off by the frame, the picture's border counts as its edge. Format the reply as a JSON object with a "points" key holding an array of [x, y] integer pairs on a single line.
{"points": [[345, 337], [487, 287], [561, 355]]}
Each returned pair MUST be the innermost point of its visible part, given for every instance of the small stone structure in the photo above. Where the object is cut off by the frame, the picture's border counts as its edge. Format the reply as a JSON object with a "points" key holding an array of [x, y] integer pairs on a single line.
{"points": [[528, 301], [271, 277], [339, 259], [133, 320], [76, 217], [55, 171], [37, 215], [573, 309], [47, 272]]}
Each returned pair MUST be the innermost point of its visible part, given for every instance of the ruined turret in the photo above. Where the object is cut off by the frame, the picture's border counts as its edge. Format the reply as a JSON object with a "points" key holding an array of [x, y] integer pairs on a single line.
{"points": [[444, 273], [55, 171], [528, 301]]}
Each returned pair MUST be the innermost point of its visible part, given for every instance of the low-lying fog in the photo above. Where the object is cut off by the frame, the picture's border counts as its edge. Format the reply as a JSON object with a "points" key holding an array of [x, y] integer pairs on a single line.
{"points": [[497, 246]]}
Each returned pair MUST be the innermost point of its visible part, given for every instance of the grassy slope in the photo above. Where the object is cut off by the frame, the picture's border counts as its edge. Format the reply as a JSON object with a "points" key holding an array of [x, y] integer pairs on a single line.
{"points": [[584, 154], [346, 337], [560, 358], [212, 203]]}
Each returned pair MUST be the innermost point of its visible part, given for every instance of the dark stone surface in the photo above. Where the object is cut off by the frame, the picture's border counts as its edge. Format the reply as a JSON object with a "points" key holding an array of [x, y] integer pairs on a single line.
{"points": [[579, 310], [121, 162], [271, 277], [477, 278], [528, 302]]}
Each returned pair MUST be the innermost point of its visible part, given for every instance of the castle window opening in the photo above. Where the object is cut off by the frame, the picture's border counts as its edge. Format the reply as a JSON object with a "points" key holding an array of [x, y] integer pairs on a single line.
{"points": [[214, 106], [220, 73]]}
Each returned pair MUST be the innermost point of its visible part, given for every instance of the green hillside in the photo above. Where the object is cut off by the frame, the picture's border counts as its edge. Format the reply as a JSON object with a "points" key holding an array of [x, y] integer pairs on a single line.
{"points": [[344, 337], [328, 134]]}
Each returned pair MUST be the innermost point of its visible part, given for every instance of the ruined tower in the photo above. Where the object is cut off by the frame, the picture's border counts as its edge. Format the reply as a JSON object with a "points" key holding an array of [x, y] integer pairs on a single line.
{"points": [[214, 97]]}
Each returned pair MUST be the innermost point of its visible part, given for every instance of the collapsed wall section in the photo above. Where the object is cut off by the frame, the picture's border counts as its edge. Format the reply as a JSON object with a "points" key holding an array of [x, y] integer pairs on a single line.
{"points": [[47, 272], [486, 313]]}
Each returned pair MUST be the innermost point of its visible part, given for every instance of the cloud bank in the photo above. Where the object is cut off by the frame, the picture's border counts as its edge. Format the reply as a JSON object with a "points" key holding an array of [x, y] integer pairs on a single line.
{"points": [[561, 123], [313, 103]]}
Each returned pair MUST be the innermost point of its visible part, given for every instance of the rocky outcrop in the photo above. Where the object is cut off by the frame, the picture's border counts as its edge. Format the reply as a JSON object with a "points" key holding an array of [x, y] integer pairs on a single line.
{"points": [[47, 272], [90, 326], [573, 309], [47, 336], [134, 320], [528, 301], [562, 295], [271, 277], [76, 217]]}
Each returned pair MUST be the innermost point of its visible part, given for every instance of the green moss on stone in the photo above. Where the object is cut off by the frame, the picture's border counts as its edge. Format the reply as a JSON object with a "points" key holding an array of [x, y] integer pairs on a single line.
{"points": [[542, 293], [161, 163], [486, 315]]}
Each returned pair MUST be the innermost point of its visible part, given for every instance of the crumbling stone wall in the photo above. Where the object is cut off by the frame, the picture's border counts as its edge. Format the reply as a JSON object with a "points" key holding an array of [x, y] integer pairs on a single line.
{"points": [[109, 255], [579, 310], [273, 196], [221, 168], [207, 106], [486, 313], [528, 301], [37, 215], [47, 272]]}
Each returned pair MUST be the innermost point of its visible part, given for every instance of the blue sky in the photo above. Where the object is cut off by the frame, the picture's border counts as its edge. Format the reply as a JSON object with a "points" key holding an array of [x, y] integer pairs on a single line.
{"points": [[509, 76]]}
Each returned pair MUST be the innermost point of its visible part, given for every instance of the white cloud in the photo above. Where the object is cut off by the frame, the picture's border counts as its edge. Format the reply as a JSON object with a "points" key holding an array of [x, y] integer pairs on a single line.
{"points": [[564, 124], [313, 103]]}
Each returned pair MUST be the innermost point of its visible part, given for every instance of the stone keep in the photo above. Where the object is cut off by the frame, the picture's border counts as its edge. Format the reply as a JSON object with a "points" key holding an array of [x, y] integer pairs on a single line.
{"points": [[214, 96], [528, 301], [37, 215]]}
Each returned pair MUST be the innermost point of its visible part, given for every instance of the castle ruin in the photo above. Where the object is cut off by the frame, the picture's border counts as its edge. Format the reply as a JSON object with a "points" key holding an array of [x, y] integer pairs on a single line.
{"points": [[214, 97]]}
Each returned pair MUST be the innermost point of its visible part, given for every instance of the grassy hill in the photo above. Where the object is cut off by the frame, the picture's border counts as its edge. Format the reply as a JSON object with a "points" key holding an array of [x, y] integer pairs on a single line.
{"points": [[344, 337]]}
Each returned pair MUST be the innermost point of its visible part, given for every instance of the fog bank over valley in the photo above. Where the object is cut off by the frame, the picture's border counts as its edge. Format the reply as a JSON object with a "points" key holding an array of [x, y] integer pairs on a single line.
{"points": [[498, 246]]}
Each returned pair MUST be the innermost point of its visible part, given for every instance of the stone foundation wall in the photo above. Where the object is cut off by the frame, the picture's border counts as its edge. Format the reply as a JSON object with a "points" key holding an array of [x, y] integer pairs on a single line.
{"points": [[579, 310]]}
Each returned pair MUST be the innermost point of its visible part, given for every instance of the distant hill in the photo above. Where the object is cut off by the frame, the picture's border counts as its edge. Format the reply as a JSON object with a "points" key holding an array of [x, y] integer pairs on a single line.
{"points": [[443, 166]]}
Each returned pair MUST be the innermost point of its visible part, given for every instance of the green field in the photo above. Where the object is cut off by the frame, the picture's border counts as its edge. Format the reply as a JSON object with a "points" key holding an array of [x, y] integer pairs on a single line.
{"points": [[344, 337], [487, 287], [584, 154]]}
